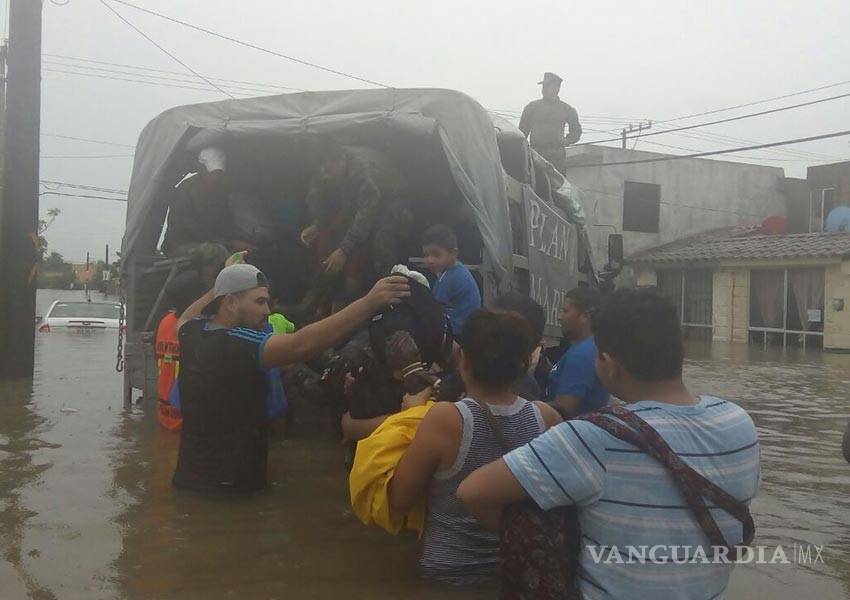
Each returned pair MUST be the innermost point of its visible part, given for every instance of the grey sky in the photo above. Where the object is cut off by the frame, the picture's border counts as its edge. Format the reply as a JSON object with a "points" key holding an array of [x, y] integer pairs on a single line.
{"points": [[620, 60]]}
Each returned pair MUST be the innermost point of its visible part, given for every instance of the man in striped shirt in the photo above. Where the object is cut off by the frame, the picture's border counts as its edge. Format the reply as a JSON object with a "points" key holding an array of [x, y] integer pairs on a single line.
{"points": [[223, 383], [639, 537]]}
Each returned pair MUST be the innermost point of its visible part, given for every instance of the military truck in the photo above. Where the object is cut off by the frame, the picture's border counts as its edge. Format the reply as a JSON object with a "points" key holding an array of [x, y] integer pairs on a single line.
{"points": [[520, 222]]}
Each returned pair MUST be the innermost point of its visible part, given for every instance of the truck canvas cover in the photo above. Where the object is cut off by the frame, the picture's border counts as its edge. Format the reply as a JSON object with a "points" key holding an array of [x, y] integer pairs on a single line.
{"points": [[466, 132]]}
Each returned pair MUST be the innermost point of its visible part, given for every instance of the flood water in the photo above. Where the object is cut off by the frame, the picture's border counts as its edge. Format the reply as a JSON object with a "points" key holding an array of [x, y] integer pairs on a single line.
{"points": [[87, 511]]}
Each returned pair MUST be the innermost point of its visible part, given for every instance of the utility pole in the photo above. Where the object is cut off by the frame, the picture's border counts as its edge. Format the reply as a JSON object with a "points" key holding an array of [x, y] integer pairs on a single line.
{"points": [[632, 128], [19, 252], [4, 49]]}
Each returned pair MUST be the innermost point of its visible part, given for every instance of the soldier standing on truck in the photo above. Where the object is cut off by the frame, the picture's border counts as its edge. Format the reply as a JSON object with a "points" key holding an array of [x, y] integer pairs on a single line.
{"points": [[357, 227], [544, 120]]}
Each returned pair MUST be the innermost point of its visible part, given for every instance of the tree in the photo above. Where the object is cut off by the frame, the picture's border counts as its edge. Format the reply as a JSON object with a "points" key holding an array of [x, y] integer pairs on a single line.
{"points": [[43, 224], [55, 273]]}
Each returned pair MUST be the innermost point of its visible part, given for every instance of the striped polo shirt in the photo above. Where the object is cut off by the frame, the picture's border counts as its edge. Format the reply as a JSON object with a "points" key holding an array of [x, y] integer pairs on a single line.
{"points": [[635, 524]]}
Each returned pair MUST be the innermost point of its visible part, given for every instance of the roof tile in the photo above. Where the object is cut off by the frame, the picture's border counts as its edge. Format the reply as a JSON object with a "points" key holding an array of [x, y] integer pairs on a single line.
{"points": [[737, 243]]}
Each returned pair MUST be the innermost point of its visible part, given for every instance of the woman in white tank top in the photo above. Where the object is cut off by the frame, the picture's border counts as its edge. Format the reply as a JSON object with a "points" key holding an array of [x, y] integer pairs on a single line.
{"points": [[456, 438]]}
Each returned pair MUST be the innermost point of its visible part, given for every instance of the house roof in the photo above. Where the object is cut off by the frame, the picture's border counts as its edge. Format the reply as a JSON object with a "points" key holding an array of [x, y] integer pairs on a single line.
{"points": [[746, 243]]}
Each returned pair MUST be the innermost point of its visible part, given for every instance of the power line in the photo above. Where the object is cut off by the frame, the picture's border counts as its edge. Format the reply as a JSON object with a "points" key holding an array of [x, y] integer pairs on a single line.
{"points": [[82, 196], [801, 155], [714, 152], [717, 110], [84, 68], [47, 183], [152, 70], [149, 82], [152, 41], [769, 158], [738, 118], [156, 83], [90, 156], [81, 139], [250, 45]]}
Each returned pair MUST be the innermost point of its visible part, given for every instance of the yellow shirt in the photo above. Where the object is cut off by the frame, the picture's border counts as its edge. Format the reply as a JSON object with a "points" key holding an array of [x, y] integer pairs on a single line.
{"points": [[375, 462]]}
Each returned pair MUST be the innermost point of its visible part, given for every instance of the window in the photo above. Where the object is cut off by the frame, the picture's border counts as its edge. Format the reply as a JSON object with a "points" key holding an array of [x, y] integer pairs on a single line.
{"points": [[691, 291], [670, 285], [786, 307], [821, 202], [697, 296], [641, 206]]}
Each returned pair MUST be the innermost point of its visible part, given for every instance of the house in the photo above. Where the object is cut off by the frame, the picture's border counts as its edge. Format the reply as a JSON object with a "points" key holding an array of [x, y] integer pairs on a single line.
{"points": [[829, 187], [741, 284], [83, 272], [654, 203]]}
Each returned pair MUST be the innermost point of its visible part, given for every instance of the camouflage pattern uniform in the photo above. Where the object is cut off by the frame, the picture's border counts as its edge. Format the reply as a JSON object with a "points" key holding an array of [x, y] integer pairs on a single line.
{"points": [[355, 215]]}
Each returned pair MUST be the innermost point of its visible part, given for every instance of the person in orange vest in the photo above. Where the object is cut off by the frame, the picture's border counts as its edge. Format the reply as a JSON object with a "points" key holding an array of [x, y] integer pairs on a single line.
{"points": [[181, 292]]}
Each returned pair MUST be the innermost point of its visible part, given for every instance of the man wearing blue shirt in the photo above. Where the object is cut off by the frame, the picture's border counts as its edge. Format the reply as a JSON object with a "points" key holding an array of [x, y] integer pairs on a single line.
{"points": [[455, 287], [574, 388]]}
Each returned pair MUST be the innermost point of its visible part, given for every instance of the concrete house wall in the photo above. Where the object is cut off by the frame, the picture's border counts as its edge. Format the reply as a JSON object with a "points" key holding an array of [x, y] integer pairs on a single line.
{"points": [[731, 299], [696, 195]]}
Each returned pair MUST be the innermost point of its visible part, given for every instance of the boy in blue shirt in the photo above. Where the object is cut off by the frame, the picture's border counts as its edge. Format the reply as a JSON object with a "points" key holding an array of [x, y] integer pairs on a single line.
{"points": [[574, 388], [455, 286]]}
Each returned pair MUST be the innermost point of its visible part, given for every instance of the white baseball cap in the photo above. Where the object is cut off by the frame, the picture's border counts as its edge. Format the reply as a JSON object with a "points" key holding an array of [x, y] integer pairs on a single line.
{"points": [[213, 159]]}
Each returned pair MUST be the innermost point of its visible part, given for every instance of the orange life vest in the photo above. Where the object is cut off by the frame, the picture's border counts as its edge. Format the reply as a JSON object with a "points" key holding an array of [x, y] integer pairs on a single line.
{"points": [[168, 367]]}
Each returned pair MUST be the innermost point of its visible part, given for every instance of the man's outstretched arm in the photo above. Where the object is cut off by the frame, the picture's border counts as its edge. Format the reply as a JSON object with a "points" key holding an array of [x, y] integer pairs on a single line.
{"points": [[304, 344]]}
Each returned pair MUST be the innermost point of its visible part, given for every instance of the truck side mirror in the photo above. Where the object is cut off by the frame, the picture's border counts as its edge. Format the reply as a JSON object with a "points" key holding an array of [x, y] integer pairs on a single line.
{"points": [[615, 250]]}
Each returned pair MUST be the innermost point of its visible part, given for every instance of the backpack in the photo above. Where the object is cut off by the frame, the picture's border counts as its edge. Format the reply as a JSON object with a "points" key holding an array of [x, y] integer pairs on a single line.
{"points": [[420, 314]]}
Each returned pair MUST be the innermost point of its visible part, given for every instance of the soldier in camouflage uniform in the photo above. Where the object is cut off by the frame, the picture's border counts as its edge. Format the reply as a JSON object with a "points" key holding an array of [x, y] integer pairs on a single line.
{"points": [[357, 226], [544, 120]]}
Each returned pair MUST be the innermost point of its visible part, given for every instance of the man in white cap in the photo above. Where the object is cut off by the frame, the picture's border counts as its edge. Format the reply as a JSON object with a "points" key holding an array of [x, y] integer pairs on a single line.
{"points": [[198, 210], [224, 355], [544, 120]]}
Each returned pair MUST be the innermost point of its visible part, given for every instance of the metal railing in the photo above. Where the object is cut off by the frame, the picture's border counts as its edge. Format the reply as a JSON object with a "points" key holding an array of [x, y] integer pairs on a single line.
{"points": [[784, 332]]}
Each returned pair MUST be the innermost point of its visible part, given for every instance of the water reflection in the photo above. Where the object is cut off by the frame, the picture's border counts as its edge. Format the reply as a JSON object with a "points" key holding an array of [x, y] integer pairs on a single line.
{"points": [[87, 510], [799, 403]]}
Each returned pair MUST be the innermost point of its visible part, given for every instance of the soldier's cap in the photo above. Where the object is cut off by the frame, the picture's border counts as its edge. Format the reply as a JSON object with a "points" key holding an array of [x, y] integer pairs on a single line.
{"points": [[550, 78], [234, 279]]}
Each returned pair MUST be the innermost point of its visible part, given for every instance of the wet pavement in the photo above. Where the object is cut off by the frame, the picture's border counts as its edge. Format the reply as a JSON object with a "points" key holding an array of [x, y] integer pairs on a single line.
{"points": [[87, 511]]}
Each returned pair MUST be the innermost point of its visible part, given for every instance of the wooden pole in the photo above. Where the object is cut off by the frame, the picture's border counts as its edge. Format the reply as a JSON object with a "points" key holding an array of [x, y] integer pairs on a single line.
{"points": [[19, 252]]}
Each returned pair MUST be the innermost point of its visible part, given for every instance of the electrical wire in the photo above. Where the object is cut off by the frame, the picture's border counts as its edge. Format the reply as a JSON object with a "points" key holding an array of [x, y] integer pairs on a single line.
{"points": [[250, 45], [746, 104], [714, 152], [90, 156], [161, 78], [152, 70], [711, 136], [57, 184], [149, 82], [172, 56], [81, 139], [738, 118], [768, 158], [801, 155], [82, 196]]}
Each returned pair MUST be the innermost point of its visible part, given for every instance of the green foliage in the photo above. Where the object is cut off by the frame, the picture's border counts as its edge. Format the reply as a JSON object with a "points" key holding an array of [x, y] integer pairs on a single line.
{"points": [[55, 273]]}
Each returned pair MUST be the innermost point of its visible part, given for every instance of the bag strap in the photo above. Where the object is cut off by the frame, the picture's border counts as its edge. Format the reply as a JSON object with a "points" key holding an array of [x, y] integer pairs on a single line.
{"points": [[691, 483], [495, 426]]}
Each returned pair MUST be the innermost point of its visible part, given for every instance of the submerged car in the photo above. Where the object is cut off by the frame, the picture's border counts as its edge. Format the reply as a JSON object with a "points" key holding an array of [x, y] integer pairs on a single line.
{"points": [[82, 316]]}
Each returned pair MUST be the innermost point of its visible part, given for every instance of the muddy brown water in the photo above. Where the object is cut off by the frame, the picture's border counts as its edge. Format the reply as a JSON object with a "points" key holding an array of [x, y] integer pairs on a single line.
{"points": [[86, 508]]}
